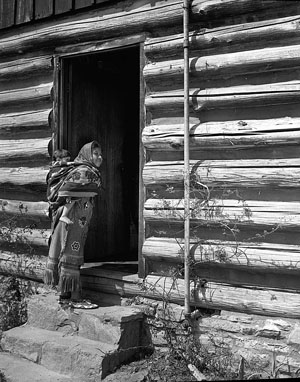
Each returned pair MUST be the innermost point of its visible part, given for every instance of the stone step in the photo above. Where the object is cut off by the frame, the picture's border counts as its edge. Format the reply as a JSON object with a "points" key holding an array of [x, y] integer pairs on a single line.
{"points": [[16, 369], [66, 354], [117, 325]]}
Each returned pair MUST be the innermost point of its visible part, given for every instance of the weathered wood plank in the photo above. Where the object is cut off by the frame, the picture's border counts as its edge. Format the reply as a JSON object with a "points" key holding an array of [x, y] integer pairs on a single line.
{"points": [[24, 11], [25, 150], [224, 134], [129, 17], [283, 215], [24, 120], [216, 9], [24, 176], [43, 8], [176, 191], [94, 47], [252, 35], [7, 13], [14, 194], [254, 173], [228, 65], [285, 280], [165, 109], [62, 6], [22, 265], [25, 236], [18, 207], [267, 256], [25, 68], [224, 297], [229, 97], [215, 296], [83, 3], [32, 94]]}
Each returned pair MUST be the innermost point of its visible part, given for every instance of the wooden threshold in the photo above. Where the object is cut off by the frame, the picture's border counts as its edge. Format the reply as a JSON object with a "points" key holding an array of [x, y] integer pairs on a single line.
{"points": [[122, 279]]}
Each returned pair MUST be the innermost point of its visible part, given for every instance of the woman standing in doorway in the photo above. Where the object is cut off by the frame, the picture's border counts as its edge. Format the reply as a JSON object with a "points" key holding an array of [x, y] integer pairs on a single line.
{"points": [[70, 195]]}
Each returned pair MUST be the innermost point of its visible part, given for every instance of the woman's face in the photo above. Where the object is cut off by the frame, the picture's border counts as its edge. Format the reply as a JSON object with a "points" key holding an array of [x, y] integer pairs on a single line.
{"points": [[97, 156]]}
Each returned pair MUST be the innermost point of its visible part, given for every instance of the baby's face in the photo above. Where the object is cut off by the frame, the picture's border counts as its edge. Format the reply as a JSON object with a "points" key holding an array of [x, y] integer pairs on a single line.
{"points": [[97, 156], [65, 159]]}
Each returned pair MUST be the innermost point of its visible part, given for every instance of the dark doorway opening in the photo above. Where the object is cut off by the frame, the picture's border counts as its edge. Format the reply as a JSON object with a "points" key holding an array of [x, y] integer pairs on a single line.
{"points": [[101, 101]]}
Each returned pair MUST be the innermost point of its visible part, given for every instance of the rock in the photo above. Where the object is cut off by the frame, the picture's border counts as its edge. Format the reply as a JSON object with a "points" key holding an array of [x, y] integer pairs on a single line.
{"points": [[237, 317], [270, 330], [218, 324], [16, 369], [65, 354], [281, 324], [294, 337], [127, 376], [248, 330], [45, 312]]}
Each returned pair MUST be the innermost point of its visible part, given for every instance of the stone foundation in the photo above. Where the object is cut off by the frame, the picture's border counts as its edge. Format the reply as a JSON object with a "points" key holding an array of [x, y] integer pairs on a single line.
{"points": [[268, 346], [263, 342]]}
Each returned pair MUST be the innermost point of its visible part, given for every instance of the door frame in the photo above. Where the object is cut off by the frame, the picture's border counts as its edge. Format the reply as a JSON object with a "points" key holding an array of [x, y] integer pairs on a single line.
{"points": [[59, 116]]}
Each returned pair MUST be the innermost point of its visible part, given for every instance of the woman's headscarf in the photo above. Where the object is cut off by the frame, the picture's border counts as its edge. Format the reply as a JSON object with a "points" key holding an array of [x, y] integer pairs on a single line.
{"points": [[86, 153]]}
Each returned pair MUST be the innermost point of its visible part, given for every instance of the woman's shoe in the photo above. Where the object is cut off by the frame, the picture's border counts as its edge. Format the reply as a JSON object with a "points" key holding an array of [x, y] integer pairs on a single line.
{"points": [[83, 304]]}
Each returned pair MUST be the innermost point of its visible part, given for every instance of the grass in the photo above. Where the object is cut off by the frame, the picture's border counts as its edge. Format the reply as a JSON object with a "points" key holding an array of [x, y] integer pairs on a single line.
{"points": [[13, 306]]}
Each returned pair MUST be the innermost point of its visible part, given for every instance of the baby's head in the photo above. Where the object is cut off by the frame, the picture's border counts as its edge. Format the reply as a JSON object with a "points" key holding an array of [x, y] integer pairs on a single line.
{"points": [[62, 156]]}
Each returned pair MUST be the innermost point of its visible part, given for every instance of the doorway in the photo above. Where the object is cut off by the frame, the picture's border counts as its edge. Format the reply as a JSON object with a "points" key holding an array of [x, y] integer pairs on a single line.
{"points": [[101, 101]]}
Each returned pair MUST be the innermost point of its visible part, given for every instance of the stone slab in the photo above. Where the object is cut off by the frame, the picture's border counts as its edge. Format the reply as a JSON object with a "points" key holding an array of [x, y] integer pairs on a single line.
{"points": [[116, 325], [294, 337], [65, 354], [17, 369]]}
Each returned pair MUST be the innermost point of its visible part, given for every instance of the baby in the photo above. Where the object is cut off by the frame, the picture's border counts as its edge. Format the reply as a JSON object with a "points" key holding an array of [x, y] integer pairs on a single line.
{"points": [[61, 157]]}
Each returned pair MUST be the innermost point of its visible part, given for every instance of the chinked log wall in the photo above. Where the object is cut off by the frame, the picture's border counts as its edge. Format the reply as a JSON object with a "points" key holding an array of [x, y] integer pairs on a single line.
{"points": [[245, 135], [26, 105], [244, 142]]}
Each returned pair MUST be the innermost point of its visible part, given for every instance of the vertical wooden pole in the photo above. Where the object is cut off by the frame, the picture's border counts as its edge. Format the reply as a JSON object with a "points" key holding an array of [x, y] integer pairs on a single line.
{"points": [[186, 160]]}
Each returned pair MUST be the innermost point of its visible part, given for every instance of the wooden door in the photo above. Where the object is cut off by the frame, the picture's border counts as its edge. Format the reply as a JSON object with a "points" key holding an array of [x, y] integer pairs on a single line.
{"points": [[101, 102]]}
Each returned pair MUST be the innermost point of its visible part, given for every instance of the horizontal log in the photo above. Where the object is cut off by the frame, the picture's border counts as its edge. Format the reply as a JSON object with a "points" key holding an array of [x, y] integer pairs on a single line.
{"points": [[24, 176], [255, 173], [280, 279], [115, 20], [229, 97], [216, 9], [24, 96], [24, 120], [215, 296], [98, 46], [22, 265], [224, 134], [265, 256], [26, 67], [24, 150], [165, 109], [18, 207], [225, 297], [284, 215], [25, 237], [252, 35], [228, 65]]}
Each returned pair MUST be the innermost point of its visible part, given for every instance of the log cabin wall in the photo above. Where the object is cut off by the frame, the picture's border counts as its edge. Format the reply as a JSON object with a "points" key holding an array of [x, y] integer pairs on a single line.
{"points": [[245, 132], [244, 150], [28, 49]]}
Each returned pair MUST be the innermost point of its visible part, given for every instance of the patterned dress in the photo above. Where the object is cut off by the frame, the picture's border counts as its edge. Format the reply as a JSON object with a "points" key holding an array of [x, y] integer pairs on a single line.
{"points": [[78, 185]]}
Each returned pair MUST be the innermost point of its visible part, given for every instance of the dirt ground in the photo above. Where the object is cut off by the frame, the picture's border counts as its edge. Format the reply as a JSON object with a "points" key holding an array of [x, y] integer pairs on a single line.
{"points": [[157, 367]]}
